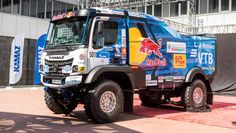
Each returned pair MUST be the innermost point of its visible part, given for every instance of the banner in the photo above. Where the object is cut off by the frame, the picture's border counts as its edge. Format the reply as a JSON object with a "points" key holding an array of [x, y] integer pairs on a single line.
{"points": [[40, 45], [17, 49]]}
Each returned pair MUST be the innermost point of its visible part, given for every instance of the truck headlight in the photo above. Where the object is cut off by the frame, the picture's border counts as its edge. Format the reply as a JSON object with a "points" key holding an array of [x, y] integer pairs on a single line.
{"points": [[77, 68]]}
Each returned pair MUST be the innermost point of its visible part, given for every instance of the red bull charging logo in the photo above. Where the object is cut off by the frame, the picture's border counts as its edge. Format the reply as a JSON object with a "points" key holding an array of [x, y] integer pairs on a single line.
{"points": [[149, 47]]}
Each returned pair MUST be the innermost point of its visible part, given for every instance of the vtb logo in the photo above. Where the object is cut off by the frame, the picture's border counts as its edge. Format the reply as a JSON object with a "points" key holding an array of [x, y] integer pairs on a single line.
{"points": [[149, 47]]}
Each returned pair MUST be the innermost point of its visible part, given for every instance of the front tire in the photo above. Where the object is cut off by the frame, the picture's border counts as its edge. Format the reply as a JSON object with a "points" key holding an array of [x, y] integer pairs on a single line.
{"points": [[55, 106], [195, 95], [105, 102]]}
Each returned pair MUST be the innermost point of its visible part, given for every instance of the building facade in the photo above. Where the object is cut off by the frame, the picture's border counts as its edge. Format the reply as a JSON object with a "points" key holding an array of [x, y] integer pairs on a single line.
{"points": [[30, 17]]}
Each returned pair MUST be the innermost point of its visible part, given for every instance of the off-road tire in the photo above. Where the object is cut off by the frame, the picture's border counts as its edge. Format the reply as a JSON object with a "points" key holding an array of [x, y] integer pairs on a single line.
{"points": [[187, 96], [92, 104], [150, 98], [55, 106]]}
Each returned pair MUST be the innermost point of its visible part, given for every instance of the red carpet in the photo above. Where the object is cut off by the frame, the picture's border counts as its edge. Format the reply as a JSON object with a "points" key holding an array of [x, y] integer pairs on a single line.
{"points": [[223, 112]]}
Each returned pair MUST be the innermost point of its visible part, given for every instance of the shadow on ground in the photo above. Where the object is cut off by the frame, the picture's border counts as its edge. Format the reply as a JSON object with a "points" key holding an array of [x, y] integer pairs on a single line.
{"points": [[15, 122]]}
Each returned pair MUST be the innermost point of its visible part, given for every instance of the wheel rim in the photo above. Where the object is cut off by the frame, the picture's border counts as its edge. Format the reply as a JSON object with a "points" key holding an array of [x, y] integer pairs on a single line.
{"points": [[108, 102], [197, 95]]}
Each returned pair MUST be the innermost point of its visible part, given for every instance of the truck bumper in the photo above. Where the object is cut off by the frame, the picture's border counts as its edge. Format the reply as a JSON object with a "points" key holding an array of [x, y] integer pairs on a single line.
{"points": [[62, 82]]}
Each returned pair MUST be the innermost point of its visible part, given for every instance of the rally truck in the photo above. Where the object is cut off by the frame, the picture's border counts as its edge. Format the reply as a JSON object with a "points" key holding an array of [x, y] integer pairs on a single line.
{"points": [[100, 57]]}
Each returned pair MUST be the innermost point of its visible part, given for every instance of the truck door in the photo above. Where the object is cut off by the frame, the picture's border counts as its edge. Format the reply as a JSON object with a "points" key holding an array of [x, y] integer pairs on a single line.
{"points": [[106, 41], [145, 51]]}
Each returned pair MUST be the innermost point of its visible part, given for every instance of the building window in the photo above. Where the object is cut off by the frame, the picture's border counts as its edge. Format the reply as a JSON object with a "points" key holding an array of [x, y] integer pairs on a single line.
{"points": [[183, 7], [233, 5], [6, 6], [225, 5], [157, 10], [149, 10], [203, 6], [41, 8], [63, 7], [16, 6], [25, 7], [69, 7], [56, 8], [33, 8], [174, 9], [141, 9], [213, 6], [0, 5], [49, 9]]}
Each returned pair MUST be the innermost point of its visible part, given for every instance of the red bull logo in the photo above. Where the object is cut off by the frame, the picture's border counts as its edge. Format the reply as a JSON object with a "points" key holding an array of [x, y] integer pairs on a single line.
{"points": [[149, 47]]}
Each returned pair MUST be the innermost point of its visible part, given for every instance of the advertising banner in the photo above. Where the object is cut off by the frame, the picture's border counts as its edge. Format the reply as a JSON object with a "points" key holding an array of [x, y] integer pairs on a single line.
{"points": [[40, 45], [17, 49]]}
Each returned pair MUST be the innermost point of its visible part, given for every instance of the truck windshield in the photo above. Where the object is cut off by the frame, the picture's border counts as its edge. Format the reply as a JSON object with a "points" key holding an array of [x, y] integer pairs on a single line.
{"points": [[68, 32]]}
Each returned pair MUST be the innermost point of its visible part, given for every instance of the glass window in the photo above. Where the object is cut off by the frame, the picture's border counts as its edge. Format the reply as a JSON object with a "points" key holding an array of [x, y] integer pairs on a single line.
{"points": [[213, 6], [157, 10], [56, 8], [166, 10], [63, 7], [203, 6], [233, 5], [25, 7], [69, 7], [174, 8], [184, 7], [225, 5], [16, 6], [110, 33], [197, 6], [6, 6], [41, 8], [33, 7], [141, 9], [149, 10], [49, 9]]}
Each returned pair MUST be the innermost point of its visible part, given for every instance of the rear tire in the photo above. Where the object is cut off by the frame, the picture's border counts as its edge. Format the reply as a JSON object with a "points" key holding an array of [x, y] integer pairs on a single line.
{"points": [[105, 102], [195, 95], [55, 106], [150, 98]]}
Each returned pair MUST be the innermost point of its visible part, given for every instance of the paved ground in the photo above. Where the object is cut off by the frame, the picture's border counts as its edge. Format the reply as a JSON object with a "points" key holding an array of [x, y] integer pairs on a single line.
{"points": [[25, 111]]}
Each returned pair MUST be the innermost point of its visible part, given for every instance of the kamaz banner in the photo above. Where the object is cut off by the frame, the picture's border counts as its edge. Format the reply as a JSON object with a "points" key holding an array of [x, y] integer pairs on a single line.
{"points": [[40, 45], [16, 62]]}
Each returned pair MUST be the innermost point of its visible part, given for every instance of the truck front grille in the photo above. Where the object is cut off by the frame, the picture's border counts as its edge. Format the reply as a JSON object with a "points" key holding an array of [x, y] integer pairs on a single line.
{"points": [[55, 67]]}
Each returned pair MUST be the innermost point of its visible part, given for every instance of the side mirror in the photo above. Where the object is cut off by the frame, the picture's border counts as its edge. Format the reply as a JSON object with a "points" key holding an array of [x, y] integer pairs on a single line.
{"points": [[100, 42]]}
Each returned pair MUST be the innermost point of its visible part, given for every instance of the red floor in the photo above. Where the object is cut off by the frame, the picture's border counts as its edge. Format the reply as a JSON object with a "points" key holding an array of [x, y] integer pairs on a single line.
{"points": [[223, 113]]}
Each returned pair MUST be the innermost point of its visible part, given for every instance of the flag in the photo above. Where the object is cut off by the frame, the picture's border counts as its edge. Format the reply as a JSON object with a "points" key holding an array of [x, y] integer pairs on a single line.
{"points": [[17, 50], [40, 45]]}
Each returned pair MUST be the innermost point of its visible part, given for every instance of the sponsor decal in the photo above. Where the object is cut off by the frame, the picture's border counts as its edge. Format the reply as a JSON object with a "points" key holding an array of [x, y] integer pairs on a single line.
{"points": [[208, 46], [67, 69], [179, 61], [64, 15], [205, 58], [74, 79], [148, 77], [169, 78], [179, 77], [160, 80], [193, 53], [151, 83], [92, 54], [156, 62], [46, 68], [57, 57], [149, 47], [176, 47]]}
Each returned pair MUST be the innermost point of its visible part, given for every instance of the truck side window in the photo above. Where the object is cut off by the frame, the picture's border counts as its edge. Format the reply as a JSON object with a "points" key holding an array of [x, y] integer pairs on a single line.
{"points": [[110, 32], [145, 32]]}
